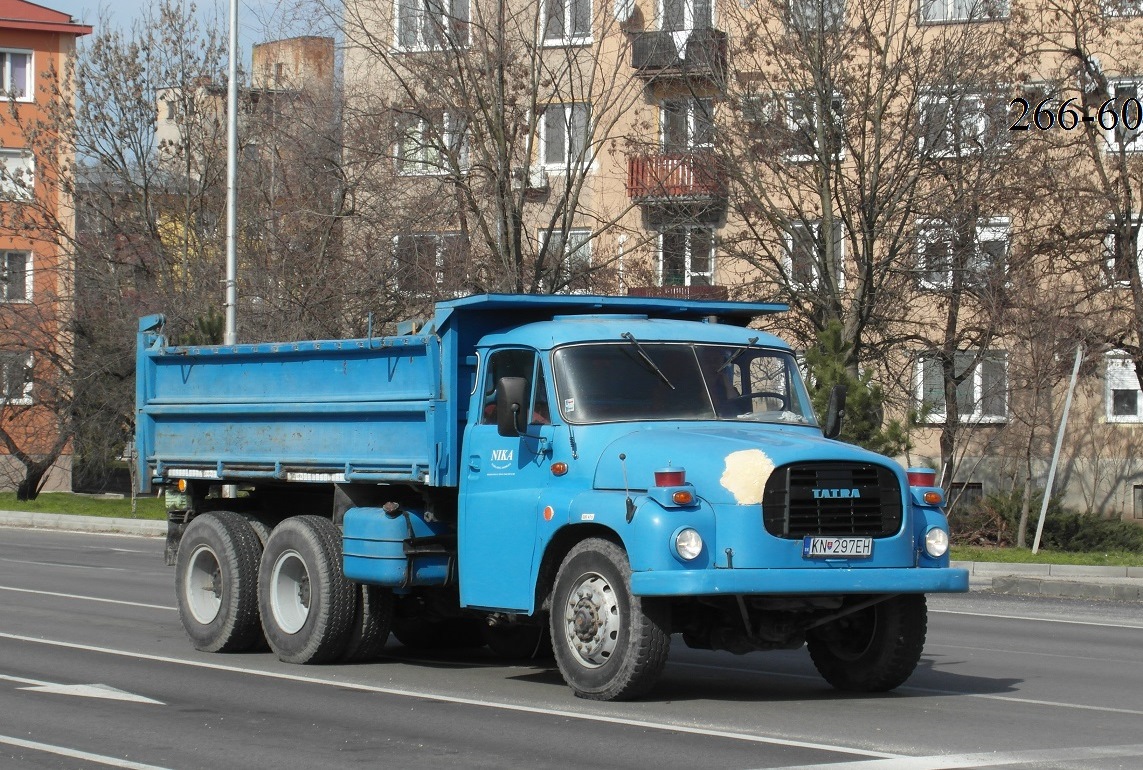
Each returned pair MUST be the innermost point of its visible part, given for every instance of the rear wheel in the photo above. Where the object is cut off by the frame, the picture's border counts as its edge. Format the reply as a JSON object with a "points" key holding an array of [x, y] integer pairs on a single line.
{"points": [[609, 644], [216, 582], [874, 649], [307, 605]]}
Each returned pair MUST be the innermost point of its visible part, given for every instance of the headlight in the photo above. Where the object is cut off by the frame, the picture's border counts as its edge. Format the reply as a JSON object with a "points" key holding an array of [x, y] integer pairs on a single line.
{"points": [[936, 542], [688, 544]]}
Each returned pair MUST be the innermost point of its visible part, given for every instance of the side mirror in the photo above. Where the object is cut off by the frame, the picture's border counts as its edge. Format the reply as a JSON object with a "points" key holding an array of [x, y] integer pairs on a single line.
{"points": [[835, 412], [511, 406]]}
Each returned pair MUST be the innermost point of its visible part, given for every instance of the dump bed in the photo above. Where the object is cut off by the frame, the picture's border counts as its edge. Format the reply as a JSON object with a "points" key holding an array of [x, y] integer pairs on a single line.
{"points": [[358, 409]]}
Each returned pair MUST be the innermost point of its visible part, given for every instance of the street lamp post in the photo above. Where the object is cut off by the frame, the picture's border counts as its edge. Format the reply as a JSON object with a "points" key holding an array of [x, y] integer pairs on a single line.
{"points": [[231, 336]]}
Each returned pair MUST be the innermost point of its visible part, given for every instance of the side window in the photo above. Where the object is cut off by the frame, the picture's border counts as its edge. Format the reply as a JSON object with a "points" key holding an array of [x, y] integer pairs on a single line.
{"points": [[511, 363]]}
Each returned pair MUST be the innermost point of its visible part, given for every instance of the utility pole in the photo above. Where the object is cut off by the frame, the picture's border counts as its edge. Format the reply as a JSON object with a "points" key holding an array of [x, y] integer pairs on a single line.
{"points": [[230, 336]]}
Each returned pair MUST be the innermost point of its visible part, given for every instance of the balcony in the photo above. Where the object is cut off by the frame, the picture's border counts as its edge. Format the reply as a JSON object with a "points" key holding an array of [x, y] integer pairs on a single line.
{"points": [[697, 54], [678, 185], [679, 292]]}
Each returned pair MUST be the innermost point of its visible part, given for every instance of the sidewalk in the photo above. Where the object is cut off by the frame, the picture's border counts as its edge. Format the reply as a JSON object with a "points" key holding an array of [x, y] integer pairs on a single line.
{"points": [[1055, 580]]}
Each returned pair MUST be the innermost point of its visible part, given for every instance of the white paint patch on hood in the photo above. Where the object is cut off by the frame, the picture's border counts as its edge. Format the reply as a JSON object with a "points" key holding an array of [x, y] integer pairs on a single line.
{"points": [[746, 474]]}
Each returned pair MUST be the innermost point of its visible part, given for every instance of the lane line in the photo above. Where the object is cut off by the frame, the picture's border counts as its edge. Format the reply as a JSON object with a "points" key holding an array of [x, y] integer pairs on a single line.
{"points": [[926, 690], [75, 754], [62, 566], [452, 699], [1039, 620], [950, 761], [88, 598], [1024, 653]]}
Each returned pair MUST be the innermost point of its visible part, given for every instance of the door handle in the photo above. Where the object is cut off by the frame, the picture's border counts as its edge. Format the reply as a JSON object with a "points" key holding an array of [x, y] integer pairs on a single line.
{"points": [[474, 463]]}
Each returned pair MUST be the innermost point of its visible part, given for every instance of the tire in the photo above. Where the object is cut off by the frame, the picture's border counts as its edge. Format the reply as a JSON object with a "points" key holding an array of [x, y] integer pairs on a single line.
{"points": [[609, 644], [216, 582], [873, 650], [307, 604], [261, 529], [372, 621], [518, 641]]}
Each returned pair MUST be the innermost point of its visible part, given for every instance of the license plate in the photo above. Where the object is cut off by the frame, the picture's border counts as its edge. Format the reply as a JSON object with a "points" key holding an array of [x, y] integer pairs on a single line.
{"points": [[837, 547]]}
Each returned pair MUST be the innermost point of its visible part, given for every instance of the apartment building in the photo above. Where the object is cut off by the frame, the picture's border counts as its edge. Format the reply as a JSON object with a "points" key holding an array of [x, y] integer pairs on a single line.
{"points": [[36, 222], [867, 161]]}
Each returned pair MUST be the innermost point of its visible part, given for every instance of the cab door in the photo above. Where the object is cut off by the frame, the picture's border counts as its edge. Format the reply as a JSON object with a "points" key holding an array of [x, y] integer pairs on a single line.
{"points": [[502, 483]]}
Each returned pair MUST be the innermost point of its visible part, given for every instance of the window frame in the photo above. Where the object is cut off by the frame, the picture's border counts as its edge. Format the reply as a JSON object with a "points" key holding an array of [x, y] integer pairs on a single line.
{"points": [[1112, 138], [934, 417], [689, 274], [1003, 8], [689, 15], [812, 228], [1109, 256], [9, 189], [698, 112], [564, 269], [955, 114], [1118, 359], [796, 19], [806, 127], [980, 266], [448, 23], [5, 273], [7, 358], [569, 17], [569, 160], [29, 75], [428, 157], [440, 266]]}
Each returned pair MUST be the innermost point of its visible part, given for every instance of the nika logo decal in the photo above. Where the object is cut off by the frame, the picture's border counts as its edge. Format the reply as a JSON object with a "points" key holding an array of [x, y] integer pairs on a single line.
{"points": [[830, 493], [502, 458]]}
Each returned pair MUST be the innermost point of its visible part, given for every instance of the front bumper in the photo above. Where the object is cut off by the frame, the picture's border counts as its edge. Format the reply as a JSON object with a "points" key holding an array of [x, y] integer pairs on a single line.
{"points": [[840, 580]]}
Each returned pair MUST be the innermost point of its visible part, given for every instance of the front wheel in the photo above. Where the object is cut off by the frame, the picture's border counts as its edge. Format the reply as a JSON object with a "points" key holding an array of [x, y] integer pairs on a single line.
{"points": [[873, 650], [609, 644], [308, 607]]}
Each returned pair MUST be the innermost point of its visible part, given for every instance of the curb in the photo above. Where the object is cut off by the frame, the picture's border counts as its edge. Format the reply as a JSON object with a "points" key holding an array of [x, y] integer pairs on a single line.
{"points": [[95, 524]]}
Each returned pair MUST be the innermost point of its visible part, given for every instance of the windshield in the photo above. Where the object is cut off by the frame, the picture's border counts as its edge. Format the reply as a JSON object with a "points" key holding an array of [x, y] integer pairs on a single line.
{"points": [[635, 380]]}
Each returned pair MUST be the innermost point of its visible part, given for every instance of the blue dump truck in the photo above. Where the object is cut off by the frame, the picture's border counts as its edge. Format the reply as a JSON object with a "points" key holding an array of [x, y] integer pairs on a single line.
{"points": [[581, 476]]}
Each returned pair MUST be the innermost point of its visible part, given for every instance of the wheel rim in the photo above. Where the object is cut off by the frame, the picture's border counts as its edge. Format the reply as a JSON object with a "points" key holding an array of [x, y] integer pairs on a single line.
{"points": [[591, 621], [290, 592], [202, 585]]}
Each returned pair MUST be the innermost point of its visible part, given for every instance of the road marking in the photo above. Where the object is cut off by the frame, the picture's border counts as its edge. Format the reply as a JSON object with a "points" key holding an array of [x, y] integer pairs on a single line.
{"points": [[63, 566], [424, 695], [1040, 620], [81, 690], [74, 754], [950, 761], [87, 598], [925, 690]]}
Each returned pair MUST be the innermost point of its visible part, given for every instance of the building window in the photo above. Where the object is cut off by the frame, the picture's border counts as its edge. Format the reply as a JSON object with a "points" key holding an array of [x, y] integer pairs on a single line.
{"points": [[686, 15], [15, 276], [432, 145], [1122, 251], [564, 135], [16, 378], [981, 393], [938, 258], [17, 74], [810, 136], [963, 124], [424, 25], [963, 10], [1127, 135], [688, 124], [806, 251], [810, 16], [686, 256], [1123, 8], [431, 263], [964, 495], [567, 22], [1137, 491], [1123, 397], [17, 174], [567, 260]]}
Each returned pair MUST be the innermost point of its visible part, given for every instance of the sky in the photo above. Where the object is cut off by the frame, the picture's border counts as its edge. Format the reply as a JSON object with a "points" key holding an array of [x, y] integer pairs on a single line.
{"points": [[258, 20]]}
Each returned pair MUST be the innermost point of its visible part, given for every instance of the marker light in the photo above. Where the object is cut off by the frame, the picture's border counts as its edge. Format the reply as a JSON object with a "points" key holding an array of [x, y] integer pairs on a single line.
{"points": [[936, 542], [559, 469], [933, 497], [688, 544], [683, 497], [181, 485], [670, 477], [922, 477]]}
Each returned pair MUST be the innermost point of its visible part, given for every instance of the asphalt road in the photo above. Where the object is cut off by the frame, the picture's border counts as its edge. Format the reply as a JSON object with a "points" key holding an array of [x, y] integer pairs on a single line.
{"points": [[95, 672]]}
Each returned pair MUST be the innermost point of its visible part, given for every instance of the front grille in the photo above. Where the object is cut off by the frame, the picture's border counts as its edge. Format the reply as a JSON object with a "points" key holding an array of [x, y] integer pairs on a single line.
{"points": [[850, 499]]}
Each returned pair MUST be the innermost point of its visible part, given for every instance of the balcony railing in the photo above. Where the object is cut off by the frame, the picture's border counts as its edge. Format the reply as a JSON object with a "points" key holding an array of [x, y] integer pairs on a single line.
{"points": [[699, 53], [679, 292], [675, 176]]}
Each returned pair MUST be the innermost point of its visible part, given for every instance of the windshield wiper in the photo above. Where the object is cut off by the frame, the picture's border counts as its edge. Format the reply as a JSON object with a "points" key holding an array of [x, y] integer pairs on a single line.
{"points": [[735, 355], [646, 358]]}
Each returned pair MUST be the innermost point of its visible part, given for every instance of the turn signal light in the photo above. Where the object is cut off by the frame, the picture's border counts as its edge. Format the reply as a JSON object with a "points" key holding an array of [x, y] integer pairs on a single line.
{"points": [[181, 485], [682, 497], [933, 498], [559, 469]]}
